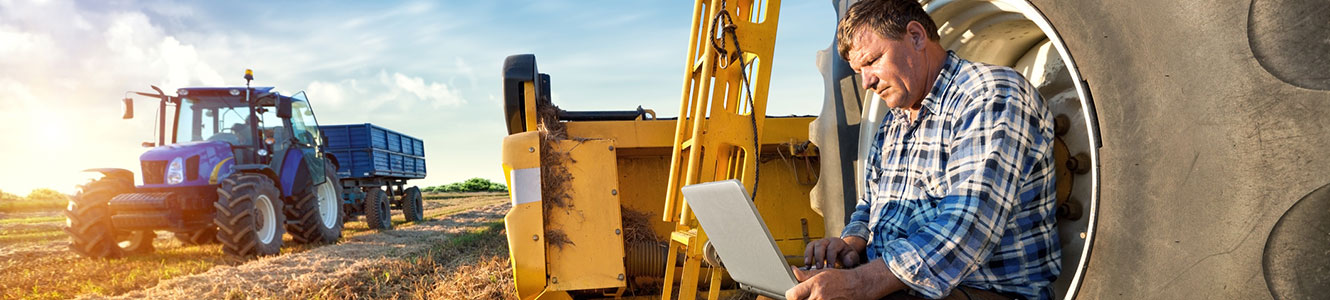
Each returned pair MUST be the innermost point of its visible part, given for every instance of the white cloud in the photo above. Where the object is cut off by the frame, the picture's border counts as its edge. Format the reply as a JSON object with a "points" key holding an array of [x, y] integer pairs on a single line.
{"points": [[468, 71], [436, 94]]}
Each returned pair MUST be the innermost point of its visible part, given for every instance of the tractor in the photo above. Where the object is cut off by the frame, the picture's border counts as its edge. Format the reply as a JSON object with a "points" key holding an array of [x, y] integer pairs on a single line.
{"points": [[240, 166]]}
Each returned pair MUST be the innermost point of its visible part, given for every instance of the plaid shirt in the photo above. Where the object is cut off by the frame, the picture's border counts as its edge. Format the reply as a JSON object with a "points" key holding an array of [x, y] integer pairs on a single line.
{"points": [[965, 194]]}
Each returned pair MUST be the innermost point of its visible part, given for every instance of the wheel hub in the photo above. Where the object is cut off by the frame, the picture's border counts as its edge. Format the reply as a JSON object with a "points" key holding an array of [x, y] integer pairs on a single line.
{"points": [[266, 219], [328, 201]]}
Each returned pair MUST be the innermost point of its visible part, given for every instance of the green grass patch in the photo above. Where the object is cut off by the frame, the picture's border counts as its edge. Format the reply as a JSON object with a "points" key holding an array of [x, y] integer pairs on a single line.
{"points": [[32, 205], [31, 220], [7, 237]]}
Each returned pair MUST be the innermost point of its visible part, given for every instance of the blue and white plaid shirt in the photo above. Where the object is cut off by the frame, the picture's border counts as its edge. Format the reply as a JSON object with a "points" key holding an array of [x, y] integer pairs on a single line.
{"points": [[965, 194]]}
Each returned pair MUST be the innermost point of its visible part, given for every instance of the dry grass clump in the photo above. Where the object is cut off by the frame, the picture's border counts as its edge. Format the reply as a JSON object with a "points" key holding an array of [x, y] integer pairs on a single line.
{"points": [[471, 265], [637, 227], [491, 278], [554, 175]]}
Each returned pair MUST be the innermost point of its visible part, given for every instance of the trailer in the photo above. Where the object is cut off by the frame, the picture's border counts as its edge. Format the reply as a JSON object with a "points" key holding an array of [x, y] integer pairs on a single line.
{"points": [[374, 164]]}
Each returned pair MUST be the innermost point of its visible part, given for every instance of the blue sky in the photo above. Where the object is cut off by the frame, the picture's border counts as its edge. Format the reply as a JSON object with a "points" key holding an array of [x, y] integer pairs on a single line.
{"points": [[427, 69]]}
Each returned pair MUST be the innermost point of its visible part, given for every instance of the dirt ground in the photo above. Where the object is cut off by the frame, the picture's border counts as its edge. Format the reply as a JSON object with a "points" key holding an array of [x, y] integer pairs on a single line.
{"points": [[282, 276], [462, 231]]}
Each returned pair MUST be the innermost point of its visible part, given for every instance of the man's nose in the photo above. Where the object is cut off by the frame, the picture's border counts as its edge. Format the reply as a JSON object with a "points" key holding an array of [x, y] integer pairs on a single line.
{"points": [[869, 81]]}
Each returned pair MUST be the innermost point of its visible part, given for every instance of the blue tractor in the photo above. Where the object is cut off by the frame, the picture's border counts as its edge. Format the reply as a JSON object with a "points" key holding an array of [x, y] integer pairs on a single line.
{"points": [[239, 166]]}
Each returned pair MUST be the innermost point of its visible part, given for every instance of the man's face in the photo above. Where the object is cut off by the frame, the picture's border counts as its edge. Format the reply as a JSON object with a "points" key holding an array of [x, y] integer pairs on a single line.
{"points": [[892, 69]]}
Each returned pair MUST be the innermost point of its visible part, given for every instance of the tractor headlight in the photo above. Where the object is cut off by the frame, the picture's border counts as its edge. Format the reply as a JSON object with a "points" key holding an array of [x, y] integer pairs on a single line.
{"points": [[175, 172]]}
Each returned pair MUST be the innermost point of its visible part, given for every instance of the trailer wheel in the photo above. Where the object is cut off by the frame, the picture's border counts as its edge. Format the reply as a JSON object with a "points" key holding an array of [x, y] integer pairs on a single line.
{"points": [[249, 219], [317, 211], [88, 218], [377, 211], [201, 236], [412, 205]]}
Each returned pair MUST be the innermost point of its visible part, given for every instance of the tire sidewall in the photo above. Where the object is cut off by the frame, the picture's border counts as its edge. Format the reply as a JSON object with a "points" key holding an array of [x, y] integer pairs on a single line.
{"points": [[88, 216], [236, 205]]}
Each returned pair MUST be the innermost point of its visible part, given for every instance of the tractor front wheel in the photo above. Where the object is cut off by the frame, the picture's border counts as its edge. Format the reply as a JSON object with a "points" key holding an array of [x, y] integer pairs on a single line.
{"points": [[377, 210], [318, 211], [249, 216]]}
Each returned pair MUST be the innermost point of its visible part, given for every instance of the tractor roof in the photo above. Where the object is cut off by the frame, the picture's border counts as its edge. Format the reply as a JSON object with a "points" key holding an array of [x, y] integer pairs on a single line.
{"points": [[218, 91]]}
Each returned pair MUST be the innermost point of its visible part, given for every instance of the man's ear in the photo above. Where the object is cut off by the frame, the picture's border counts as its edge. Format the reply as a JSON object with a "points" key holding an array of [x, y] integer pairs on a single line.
{"points": [[915, 32]]}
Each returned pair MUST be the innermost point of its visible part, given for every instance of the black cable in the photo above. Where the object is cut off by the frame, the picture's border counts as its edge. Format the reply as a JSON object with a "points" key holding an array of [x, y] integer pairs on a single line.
{"points": [[743, 72]]}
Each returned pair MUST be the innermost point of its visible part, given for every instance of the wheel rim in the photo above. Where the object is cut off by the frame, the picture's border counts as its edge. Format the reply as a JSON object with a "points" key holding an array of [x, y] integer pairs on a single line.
{"points": [[132, 240], [267, 219], [1014, 33], [328, 201]]}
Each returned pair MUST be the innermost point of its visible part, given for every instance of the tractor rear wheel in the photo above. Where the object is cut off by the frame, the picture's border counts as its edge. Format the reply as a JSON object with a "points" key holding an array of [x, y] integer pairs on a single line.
{"points": [[318, 211], [377, 211], [249, 216], [201, 236], [88, 218], [412, 205]]}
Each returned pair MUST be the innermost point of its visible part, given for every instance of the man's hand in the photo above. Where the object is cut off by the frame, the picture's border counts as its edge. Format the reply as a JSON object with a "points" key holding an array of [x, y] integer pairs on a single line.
{"points": [[829, 252], [870, 281]]}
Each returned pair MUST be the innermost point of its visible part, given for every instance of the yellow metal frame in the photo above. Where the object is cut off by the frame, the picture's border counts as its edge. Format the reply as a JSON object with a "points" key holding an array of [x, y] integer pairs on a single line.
{"points": [[710, 142]]}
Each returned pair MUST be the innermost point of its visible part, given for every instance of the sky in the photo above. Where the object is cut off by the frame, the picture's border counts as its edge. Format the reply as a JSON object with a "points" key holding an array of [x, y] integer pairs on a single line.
{"points": [[429, 69]]}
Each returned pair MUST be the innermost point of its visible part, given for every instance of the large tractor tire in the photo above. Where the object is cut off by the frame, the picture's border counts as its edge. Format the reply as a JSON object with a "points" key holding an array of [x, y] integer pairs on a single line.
{"points": [[318, 211], [249, 216], [201, 236], [88, 220], [378, 213], [413, 206], [1214, 124]]}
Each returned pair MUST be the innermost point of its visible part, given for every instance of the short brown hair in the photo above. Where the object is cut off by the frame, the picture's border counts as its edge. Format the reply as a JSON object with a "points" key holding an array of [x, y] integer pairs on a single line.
{"points": [[885, 17]]}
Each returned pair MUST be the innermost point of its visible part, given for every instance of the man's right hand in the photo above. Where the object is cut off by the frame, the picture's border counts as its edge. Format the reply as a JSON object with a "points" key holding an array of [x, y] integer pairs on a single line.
{"points": [[828, 252]]}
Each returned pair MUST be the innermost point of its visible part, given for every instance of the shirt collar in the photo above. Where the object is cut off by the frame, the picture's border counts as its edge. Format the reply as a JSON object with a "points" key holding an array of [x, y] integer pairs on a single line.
{"points": [[940, 86]]}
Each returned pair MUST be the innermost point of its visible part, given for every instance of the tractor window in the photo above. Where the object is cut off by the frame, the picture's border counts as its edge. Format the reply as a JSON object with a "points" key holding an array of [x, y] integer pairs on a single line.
{"points": [[303, 124], [213, 119]]}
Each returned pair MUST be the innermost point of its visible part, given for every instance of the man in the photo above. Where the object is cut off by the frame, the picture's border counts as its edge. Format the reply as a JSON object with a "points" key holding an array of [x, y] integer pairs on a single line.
{"points": [[960, 196]]}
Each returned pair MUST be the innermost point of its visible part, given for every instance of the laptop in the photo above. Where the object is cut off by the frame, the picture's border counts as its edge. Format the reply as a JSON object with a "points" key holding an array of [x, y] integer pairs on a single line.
{"points": [[740, 237]]}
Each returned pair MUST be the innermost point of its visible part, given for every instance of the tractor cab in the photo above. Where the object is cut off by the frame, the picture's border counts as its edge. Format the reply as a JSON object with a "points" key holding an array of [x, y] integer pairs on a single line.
{"points": [[206, 131]]}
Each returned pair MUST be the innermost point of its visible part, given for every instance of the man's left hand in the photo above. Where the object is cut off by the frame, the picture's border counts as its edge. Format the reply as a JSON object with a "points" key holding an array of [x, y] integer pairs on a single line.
{"points": [[869, 281], [825, 284]]}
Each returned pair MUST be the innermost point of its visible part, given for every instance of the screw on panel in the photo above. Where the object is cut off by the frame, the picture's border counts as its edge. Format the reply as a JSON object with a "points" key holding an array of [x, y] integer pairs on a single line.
{"points": [[614, 192], [535, 237], [620, 276], [554, 279], [531, 149], [617, 231], [611, 148]]}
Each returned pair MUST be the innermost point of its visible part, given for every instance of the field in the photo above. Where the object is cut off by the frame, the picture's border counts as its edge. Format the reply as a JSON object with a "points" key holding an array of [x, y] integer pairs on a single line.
{"points": [[458, 252]]}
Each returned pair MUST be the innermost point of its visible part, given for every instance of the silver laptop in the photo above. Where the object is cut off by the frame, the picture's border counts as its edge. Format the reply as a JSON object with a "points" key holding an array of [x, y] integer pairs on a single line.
{"points": [[740, 237]]}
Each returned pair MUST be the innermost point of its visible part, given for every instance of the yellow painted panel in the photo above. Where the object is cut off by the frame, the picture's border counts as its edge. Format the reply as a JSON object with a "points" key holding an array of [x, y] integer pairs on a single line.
{"points": [[524, 221], [526, 249], [594, 257]]}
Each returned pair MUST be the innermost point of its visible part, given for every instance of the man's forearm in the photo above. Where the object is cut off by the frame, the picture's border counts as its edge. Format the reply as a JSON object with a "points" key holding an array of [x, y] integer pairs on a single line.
{"points": [[877, 280]]}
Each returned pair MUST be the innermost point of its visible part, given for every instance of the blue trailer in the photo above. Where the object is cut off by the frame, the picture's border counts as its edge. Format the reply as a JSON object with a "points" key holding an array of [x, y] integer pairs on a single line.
{"points": [[374, 164]]}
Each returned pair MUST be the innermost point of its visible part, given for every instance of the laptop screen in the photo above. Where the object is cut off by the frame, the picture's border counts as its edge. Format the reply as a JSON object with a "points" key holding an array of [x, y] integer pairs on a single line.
{"points": [[739, 235]]}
